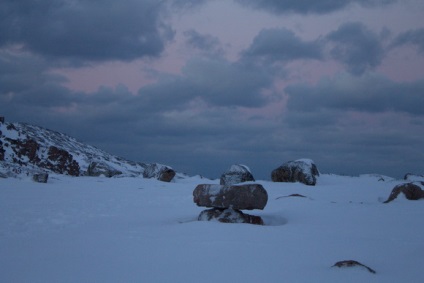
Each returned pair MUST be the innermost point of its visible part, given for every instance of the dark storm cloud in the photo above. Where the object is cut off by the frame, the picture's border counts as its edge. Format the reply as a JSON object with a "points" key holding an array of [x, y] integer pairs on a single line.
{"points": [[282, 45], [187, 4], [207, 43], [413, 37], [368, 93], [357, 47], [85, 29], [214, 81], [308, 6]]}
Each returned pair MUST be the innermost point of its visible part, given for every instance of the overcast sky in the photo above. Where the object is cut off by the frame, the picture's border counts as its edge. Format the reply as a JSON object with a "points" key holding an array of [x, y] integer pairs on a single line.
{"points": [[201, 85]]}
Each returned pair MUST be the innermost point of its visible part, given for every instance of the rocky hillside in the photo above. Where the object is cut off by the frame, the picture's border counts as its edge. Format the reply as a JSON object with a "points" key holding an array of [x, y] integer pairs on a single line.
{"points": [[27, 149]]}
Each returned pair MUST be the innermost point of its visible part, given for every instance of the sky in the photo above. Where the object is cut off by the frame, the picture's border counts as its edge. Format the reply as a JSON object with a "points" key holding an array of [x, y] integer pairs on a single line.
{"points": [[201, 85]]}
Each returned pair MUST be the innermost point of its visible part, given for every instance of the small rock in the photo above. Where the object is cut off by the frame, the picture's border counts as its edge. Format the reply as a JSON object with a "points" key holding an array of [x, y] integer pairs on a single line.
{"points": [[236, 174], [40, 177], [229, 216], [251, 196], [351, 263]]}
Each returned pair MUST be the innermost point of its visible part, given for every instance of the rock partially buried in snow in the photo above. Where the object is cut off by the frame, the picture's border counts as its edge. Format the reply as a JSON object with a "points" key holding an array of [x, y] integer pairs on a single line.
{"points": [[352, 263], [410, 190], [251, 196], [229, 216], [303, 170], [96, 169], [40, 177], [237, 173]]}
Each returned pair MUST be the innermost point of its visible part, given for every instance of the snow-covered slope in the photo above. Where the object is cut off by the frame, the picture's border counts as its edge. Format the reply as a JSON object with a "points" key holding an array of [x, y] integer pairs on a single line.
{"points": [[140, 230], [26, 149]]}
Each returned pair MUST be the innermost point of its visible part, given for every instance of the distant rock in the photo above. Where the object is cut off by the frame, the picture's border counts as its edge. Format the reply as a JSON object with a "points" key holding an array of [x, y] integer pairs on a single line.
{"points": [[40, 177], [352, 263], [410, 190], [236, 174], [100, 168], [251, 196], [303, 170], [158, 171], [229, 216]]}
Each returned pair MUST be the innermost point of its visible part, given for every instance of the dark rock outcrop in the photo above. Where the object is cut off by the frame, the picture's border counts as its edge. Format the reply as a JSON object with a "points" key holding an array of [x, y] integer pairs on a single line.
{"points": [[303, 170], [237, 173], [61, 161], [252, 196], [229, 216], [40, 177], [410, 190], [161, 172], [100, 168]]}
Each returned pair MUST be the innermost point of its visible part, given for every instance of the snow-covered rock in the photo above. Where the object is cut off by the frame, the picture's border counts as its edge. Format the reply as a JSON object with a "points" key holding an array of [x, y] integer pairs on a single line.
{"points": [[229, 216], [237, 173], [252, 196], [40, 178], [100, 168], [302, 170], [158, 171], [413, 177], [412, 191]]}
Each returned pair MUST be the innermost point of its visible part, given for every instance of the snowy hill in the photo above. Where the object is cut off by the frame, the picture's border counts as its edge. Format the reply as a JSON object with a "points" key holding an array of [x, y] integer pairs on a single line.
{"points": [[27, 149], [96, 229]]}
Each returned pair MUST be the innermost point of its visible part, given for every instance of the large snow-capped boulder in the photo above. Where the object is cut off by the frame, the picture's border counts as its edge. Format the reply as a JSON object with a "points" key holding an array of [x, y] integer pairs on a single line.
{"points": [[158, 171], [251, 196], [237, 173], [229, 216], [302, 170], [96, 169], [412, 191]]}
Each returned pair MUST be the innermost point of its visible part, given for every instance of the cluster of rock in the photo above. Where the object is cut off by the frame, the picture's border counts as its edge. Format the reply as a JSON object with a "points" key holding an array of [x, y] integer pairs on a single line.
{"points": [[29, 150], [228, 201]]}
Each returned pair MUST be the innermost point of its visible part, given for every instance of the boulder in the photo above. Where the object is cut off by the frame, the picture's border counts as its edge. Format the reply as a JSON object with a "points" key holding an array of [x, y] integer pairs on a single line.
{"points": [[40, 177], [251, 196], [99, 168], [158, 171], [303, 170], [236, 174], [229, 216], [410, 190]]}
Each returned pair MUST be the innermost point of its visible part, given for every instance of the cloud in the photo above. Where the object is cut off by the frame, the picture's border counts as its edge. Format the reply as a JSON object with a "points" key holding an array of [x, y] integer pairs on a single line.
{"points": [[357, 47], [85, 30], [370, 93], [282, 45], [413, 37], [308, 7], [216, 82], [210, 45]]}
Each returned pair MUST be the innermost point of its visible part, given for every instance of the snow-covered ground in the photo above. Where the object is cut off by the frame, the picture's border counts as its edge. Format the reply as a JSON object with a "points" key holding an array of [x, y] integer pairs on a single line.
{"points": [[94, 229]]}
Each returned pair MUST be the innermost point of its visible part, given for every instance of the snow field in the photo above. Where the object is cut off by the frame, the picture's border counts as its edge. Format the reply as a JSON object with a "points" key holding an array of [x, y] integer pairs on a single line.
{"points": [[89, 229]]}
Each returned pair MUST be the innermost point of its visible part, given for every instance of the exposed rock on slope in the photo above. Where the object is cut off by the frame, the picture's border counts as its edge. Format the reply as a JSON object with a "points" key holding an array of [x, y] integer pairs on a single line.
{"points": [[26, 150]]}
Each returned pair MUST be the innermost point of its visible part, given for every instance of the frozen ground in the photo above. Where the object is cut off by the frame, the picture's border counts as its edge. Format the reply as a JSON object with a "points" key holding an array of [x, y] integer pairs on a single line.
{"points": [[89, 229]]}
